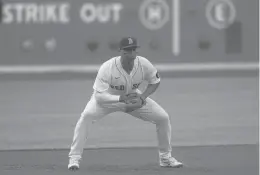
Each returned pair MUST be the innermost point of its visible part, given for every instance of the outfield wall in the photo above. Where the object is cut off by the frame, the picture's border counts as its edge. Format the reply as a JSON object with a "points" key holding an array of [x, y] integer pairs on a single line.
{"points": [[76, 32]]}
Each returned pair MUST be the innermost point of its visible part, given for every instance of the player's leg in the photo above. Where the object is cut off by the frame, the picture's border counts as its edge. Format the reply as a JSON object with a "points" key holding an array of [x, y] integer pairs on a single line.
{"points": [[91, 113], [154, 113]]}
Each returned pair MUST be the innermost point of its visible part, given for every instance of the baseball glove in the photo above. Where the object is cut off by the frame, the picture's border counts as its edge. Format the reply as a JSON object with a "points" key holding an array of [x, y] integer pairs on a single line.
{"points": [[134, 103], [128, 97]]}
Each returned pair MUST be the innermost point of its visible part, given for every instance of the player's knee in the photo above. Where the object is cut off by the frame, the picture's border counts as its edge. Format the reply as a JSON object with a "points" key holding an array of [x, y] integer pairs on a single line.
{"points": [[164, 118]]}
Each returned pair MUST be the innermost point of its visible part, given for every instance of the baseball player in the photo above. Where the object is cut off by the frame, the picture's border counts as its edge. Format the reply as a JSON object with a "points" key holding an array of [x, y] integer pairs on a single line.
{"points": [[116, 89]]}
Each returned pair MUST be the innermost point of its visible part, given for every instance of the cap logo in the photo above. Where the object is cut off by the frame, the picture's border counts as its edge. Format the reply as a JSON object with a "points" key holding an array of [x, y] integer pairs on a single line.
{"points": [[130, 41]]}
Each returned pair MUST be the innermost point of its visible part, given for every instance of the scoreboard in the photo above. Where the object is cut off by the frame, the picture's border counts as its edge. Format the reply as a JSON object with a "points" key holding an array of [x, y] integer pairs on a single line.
{"points": [[87, 32]]}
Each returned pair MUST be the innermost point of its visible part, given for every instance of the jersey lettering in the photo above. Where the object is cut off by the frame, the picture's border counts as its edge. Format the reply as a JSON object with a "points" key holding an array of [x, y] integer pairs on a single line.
{"points": [[120, 88], [135, 86]]}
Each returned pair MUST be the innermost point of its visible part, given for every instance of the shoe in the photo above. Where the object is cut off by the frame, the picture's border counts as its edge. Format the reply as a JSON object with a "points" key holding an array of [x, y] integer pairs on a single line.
{"points": [[73, 164], [170, 162]]}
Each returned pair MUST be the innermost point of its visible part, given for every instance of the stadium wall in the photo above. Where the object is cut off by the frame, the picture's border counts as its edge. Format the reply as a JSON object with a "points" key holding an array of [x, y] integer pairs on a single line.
{"points": [[77, 33]]}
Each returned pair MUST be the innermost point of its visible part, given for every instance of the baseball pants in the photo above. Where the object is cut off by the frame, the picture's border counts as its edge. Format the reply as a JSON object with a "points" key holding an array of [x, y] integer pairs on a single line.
{"points": [[151, 112]]}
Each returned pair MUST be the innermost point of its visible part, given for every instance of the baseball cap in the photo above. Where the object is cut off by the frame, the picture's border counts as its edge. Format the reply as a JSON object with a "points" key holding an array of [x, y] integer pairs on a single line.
{"points": [[128, 42]]}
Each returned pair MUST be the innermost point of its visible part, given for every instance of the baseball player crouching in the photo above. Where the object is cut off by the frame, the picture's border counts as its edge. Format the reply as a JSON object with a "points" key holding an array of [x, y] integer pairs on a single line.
{"points": [[116, 89]]}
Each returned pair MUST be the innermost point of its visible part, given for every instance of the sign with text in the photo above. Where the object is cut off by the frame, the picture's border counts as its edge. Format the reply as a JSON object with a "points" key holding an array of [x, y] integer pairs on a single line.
{"points": [[88, 32], [59, 13]]}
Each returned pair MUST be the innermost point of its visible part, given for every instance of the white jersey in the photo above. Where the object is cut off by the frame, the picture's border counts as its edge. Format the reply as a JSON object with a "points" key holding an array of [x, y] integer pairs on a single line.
{"points": [[113, 78]]}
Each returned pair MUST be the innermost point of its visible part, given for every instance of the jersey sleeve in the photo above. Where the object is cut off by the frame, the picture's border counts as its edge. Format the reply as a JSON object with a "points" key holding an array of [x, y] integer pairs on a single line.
{"points": [[102, 80], [151, 74]]}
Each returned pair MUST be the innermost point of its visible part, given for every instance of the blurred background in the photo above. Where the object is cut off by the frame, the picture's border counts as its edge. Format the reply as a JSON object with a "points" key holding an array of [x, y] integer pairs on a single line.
{"points": [[205, 50]]}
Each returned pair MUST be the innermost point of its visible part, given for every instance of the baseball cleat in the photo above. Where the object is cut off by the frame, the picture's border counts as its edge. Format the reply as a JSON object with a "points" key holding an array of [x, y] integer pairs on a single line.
{"points": [[170, 162], [73, 164]]}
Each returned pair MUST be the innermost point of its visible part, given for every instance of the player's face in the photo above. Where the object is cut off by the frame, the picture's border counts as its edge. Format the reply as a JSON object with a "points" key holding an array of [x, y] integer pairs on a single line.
{"points": [[129, 53]]}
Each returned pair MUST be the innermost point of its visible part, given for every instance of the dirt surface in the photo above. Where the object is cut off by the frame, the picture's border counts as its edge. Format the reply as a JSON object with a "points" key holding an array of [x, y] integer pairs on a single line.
{"points": [[198, 160]]}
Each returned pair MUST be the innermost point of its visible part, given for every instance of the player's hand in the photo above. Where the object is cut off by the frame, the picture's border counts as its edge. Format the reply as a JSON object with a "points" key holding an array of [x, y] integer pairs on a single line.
{"points": [[134, 104], [126, 97]]}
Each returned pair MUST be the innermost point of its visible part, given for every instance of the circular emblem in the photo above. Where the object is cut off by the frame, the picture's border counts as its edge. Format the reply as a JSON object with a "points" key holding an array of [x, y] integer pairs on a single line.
{"points": [[220, 13], [154, 14]]}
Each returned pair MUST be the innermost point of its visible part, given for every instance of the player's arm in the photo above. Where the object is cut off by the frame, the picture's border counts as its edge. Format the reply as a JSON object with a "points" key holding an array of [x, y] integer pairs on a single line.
{"points": [[151, 88], [101, 86], [151, 75], [105, 97]]}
